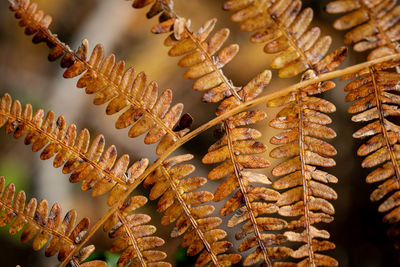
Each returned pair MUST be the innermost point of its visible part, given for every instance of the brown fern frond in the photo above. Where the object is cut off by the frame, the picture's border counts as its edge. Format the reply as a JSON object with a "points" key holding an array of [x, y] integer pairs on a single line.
{"points": [[236, 151], [377, 103], [97, 167], [375, 25], [181, 203], [134, 236], [284, 28], [122, 90], [44, 226], [304, 200], [237, 147], [198, 51]]}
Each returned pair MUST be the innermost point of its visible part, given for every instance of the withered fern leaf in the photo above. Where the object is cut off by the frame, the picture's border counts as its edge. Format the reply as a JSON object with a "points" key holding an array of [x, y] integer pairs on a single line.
{"points": [[283, 27], [181, 203], [89, 162], [43, 226], [373, 25], [122, 89], [377, 103]]}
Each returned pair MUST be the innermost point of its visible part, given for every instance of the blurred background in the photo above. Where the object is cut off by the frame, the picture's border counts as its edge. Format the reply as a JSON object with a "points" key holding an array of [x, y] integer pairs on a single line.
{"points": [[25, 73]]}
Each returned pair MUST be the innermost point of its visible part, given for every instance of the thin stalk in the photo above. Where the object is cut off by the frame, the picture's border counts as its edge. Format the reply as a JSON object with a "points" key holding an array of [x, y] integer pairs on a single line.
{"points": [[219, 119], [305, 177]]}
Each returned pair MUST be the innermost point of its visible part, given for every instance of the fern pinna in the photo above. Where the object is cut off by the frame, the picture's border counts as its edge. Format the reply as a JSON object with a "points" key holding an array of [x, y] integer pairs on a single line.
{"points": [[276, 220], [44, 226]]}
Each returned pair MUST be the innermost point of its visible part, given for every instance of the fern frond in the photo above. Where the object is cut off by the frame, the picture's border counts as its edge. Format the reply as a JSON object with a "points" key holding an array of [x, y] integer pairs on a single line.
{"points": [[284, 29], [181, 203], [304, 124], [122, 90], [377, 103], [198, 51], [44, 226], [237, 147], [375, 25], [134, 236], [97, 167]]}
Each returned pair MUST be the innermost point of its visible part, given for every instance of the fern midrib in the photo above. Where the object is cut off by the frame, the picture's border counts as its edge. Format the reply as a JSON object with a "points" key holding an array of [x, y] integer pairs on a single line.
{"points": [[389, 146], [247, 202], [132, 238], [33, 221], [128, 96], [72, 149], [306, 197], [188, 213], [93, 230], [217, 70], [219, 119]]}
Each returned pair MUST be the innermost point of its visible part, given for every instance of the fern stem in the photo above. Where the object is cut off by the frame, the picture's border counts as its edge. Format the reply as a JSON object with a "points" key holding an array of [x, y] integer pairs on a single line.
{"points": [[243, 190], [72, 149], [132, 237], [219, 119], [389, 146], [305, 177], [188, 213], [91, 232]]}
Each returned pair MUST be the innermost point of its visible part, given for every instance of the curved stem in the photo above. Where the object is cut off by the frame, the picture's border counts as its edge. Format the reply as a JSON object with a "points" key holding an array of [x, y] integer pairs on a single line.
{"points": [[219, 119]]}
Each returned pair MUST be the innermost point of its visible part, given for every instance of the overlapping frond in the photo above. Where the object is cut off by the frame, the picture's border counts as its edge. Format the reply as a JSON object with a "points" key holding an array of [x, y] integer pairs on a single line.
{"points": [[237, 149], [377, 102], [304, 200], [181, 203], [283, 26], [372, 24], [98, 168], [134, 237], [143, 110], [236, 153], [44, 226]]}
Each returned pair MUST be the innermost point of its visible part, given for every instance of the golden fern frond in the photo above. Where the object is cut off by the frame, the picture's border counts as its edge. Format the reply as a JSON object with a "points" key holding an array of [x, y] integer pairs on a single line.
{"points": [[375, 25], [122, 90], [237, 148], [134, 236], [43, 226], [181, 203], [304, 124], [377, 101], [198, 51], [237, 151], [97, 167], [284, 29]]}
